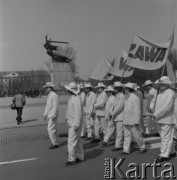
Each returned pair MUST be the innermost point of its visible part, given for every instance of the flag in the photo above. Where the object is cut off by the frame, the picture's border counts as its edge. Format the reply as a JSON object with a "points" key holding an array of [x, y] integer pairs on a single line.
{"points": [[120, 68], [170, 71], [101, 70], [147, 55]]}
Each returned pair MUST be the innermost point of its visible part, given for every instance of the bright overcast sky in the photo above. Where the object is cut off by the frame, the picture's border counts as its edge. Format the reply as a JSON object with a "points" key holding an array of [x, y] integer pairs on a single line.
{"points": [[95, 28]]}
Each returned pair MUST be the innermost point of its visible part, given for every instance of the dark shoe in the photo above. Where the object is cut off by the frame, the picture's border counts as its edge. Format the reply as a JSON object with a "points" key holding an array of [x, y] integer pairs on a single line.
{"points": [[83, 137], [53, 147], [124, 153], [161, 159], [174, 139], [145, 135], [142, 151], [89, 138], [172, 155], [95, 141], [156, 135], [104, 144], [133, 143], [79, 160], [117, 149], [69, 163]]}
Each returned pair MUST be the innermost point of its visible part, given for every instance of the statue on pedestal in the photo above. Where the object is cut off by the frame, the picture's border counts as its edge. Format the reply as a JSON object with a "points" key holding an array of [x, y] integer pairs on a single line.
{"points": [[52, 51]]}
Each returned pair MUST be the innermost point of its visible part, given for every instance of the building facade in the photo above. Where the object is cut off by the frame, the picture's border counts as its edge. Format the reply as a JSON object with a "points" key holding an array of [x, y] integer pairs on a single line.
{"points": [[26, 81]]}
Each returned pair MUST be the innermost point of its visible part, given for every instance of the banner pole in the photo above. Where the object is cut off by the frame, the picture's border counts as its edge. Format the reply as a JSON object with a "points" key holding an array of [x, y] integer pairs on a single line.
{"points": [[122, 74], [163, 69]]}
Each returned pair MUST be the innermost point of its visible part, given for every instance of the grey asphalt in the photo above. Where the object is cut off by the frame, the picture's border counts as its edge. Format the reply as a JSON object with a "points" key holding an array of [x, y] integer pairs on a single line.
{"points": [[24, 153]]}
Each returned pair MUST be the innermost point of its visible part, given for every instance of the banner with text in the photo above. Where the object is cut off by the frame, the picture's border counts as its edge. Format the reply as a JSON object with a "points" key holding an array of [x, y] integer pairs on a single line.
{"points": [[144, 54], [120, 67]]}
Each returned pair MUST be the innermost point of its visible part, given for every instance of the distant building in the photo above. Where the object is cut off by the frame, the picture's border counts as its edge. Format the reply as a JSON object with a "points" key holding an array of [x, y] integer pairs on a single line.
{"points": [[12, 82]]}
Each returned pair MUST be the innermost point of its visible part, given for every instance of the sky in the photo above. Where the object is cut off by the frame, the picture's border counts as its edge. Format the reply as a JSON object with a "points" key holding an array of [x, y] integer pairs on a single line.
{"points": [[95, 28]]}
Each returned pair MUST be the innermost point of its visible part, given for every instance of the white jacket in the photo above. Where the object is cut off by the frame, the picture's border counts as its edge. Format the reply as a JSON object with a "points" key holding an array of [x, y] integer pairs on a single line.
{"points": [[52, 106], [151, 96], [153, 93], [132, 112], [83, 99], [118, 107], [74, 111], [100, 104], [175, 116], [90, 101], [164, 108], [109, 106]]}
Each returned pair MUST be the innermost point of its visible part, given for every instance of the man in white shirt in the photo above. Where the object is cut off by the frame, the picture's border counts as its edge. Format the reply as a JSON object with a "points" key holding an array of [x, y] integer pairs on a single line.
{"points": [[74, 120], [164, 116], [89, 108], [151, 97], [140, 96], [100, 122], [131, 120], [51, 113], [83, 100], [109, 107]]}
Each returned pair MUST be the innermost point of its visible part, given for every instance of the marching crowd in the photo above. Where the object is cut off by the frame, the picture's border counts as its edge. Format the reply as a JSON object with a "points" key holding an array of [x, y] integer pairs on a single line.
{"points": [[100, 113]]}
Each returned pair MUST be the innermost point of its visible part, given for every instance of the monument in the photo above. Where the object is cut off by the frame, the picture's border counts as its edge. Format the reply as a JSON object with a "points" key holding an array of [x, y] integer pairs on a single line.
{"points": [[60, 69]]}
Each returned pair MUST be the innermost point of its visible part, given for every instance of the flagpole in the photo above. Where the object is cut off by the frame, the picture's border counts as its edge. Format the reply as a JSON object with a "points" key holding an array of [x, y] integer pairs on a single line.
{"points": [[163, 69], [123, 73]]}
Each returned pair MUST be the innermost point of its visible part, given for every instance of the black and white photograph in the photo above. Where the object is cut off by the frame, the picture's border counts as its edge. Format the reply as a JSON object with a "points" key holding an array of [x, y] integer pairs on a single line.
{"points": [[88, 89]]}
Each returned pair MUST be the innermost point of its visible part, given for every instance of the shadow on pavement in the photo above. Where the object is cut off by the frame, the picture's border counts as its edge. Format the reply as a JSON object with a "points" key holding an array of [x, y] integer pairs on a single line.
{"points": [[62, 143], [89, 145], [27, 121], [93, 154], [63, 135]]}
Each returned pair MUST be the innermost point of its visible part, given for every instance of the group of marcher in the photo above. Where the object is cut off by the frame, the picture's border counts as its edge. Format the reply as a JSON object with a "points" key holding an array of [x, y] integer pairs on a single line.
{"points": [[99, 113]]}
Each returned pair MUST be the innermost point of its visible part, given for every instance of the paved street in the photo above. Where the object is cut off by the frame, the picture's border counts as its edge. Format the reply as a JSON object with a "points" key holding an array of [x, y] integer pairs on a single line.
{"points": [[24, 153], [32, 112]]}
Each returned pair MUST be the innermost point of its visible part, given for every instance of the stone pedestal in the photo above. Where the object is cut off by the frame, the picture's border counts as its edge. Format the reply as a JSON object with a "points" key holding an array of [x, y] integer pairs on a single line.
{"points": [[61, 73]]}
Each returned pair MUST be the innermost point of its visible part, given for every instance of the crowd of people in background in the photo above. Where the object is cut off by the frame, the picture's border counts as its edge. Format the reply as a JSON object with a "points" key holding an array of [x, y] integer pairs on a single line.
{"points": [[30, 93], [100, 113]]}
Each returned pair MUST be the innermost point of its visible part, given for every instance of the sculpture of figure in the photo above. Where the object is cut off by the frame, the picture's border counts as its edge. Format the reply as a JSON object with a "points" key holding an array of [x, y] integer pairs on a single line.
{"points": [[51, 51]]}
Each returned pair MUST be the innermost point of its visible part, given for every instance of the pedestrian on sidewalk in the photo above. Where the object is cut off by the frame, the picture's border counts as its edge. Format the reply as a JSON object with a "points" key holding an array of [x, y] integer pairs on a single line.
{"points": [[74, 120], [51, 113], [19, 101]]}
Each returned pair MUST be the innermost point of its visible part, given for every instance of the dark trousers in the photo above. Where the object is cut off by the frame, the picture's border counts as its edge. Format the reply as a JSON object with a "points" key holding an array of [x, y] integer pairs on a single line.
{"points": [[19, 114]]}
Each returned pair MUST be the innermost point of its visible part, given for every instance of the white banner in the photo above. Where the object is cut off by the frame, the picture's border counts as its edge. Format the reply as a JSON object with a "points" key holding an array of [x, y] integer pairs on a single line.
{"points": [[120, 67], [144, 54]]}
